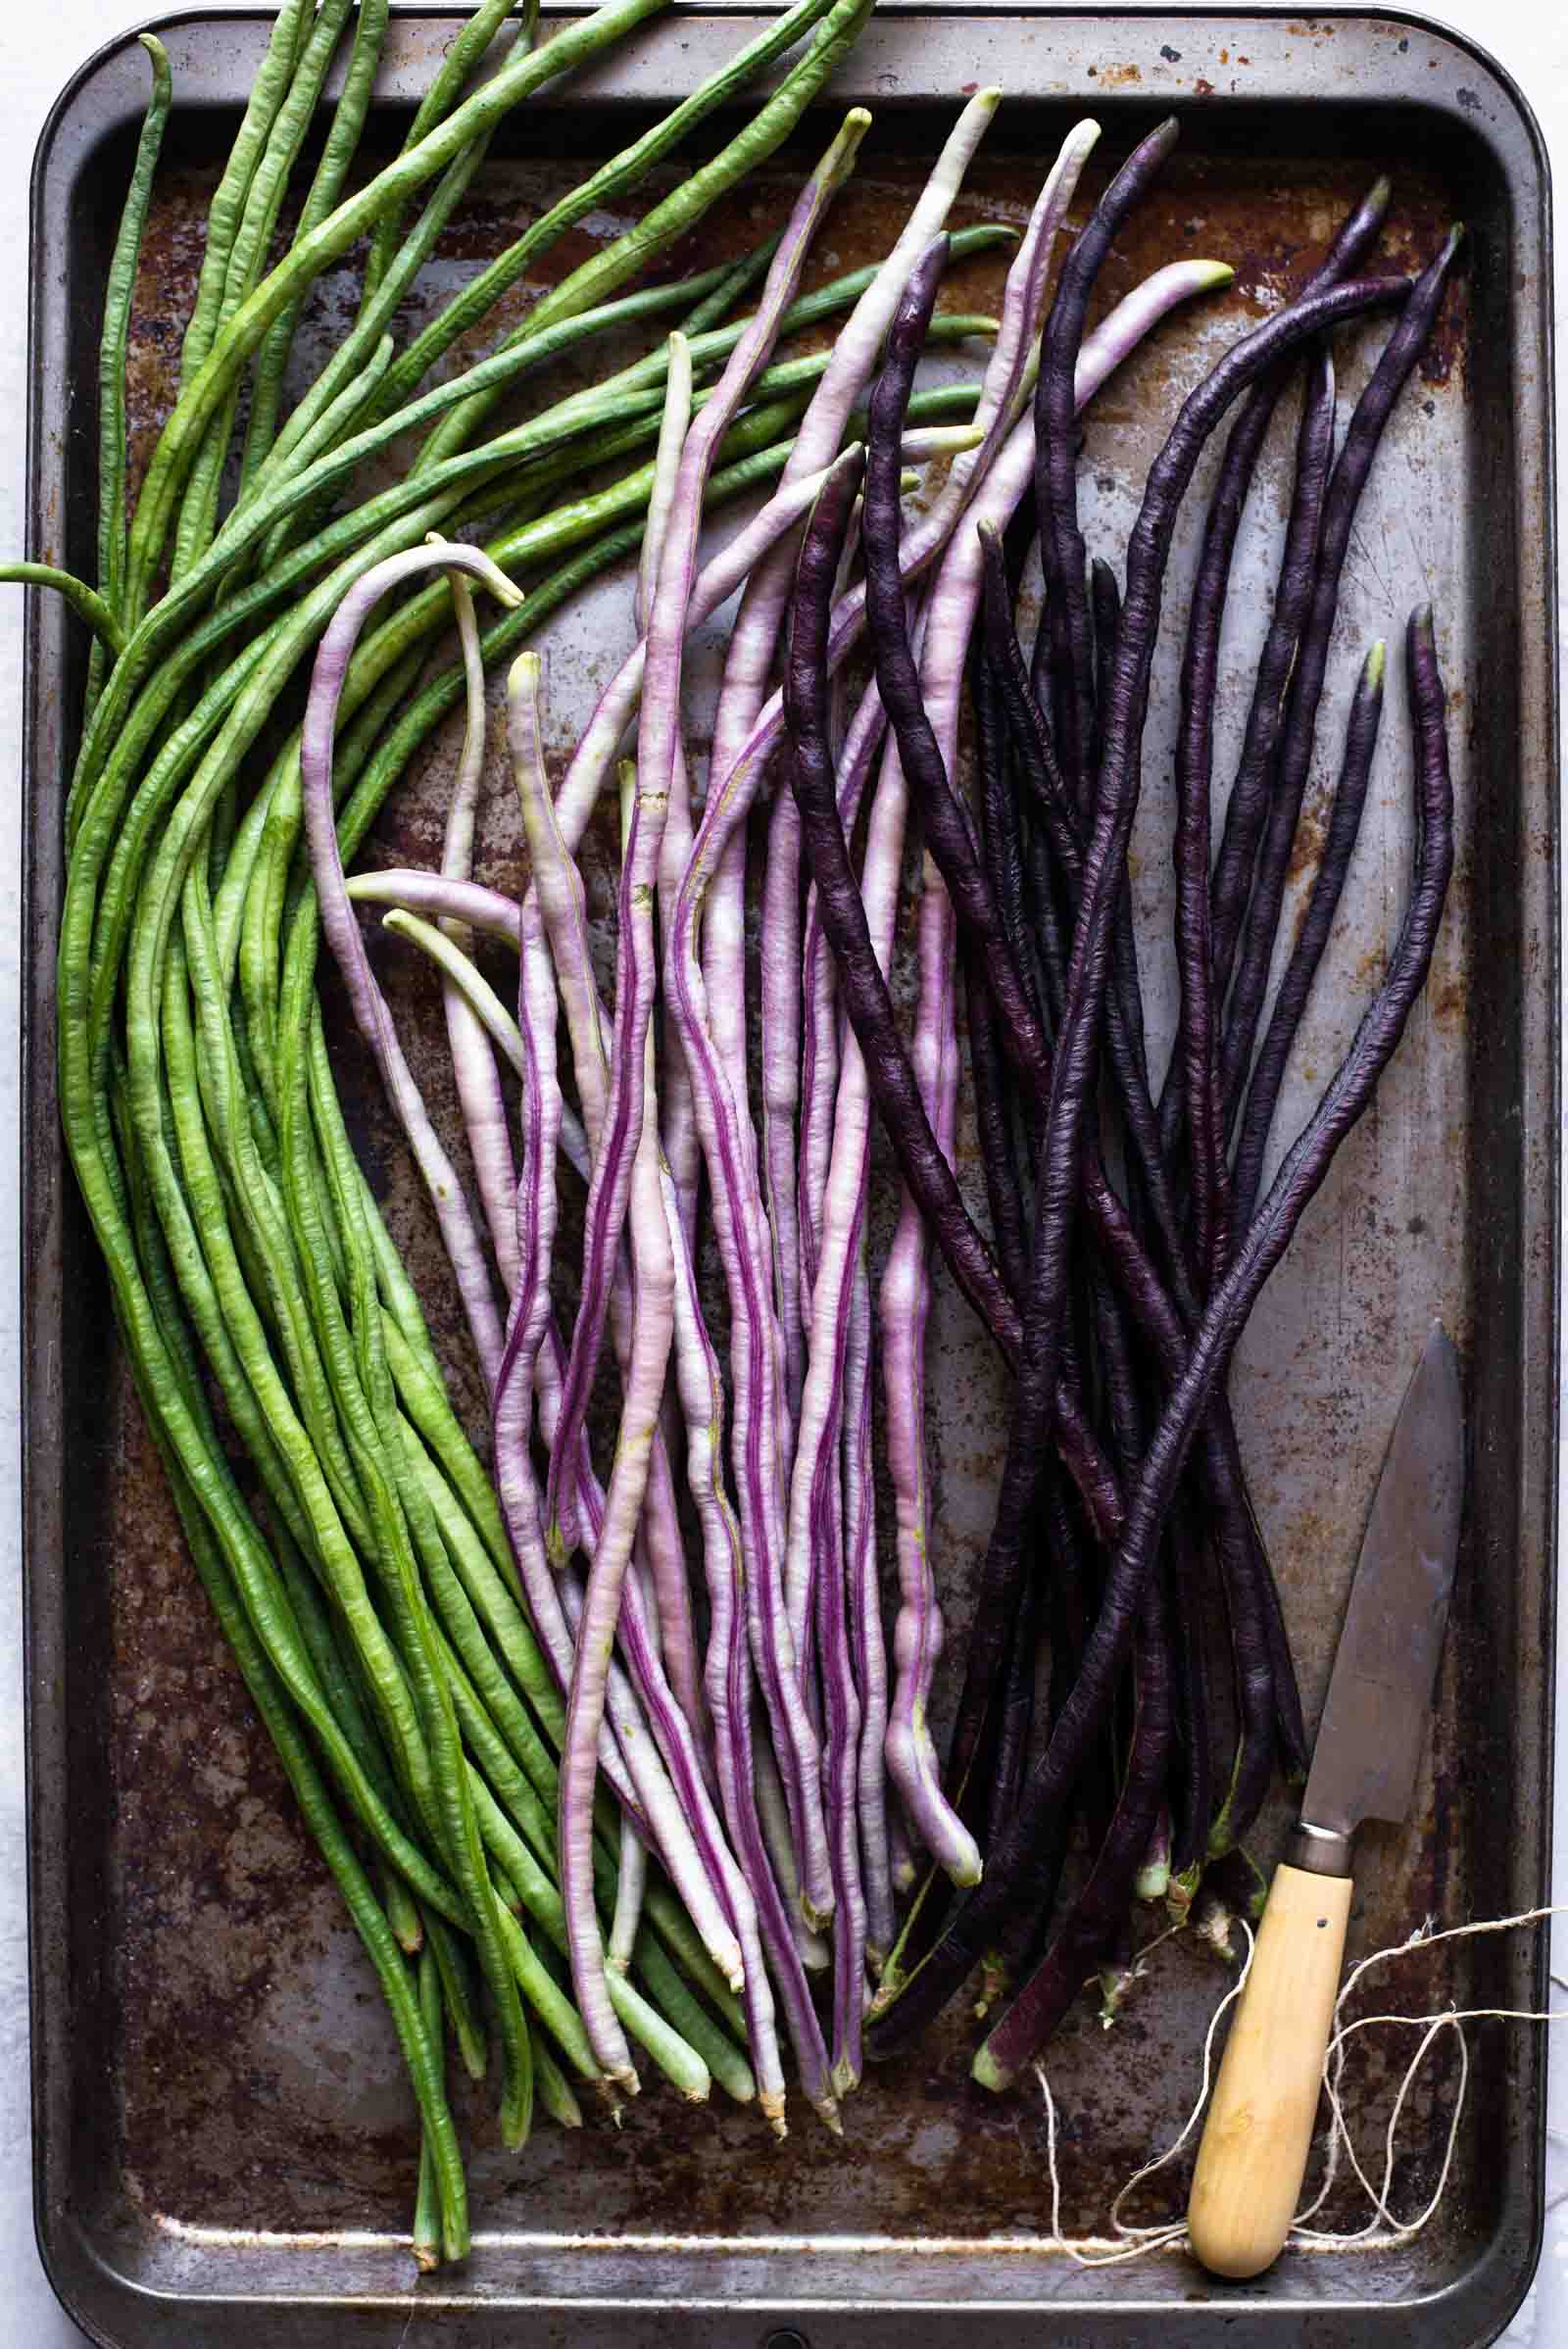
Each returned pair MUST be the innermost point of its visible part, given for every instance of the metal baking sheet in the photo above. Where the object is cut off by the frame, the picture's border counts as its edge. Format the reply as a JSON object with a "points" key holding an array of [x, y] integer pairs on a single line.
{"points": [[224, 2145]]}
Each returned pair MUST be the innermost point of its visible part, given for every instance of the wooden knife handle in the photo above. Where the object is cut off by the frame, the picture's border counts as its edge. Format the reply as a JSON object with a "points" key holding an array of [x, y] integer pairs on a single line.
{"points": [[1253, 2152]]}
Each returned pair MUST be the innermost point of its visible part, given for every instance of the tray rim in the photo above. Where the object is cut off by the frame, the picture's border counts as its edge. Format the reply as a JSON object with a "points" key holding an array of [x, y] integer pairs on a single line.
{"points": [[92, 2291]]}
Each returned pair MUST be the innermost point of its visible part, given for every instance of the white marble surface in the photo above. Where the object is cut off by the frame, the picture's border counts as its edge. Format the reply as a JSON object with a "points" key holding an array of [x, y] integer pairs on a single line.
{"points": [[39, 49]]}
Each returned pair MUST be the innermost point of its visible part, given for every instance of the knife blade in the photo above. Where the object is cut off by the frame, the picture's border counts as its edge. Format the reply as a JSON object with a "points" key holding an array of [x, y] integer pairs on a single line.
{"points": [[1373, 1729], [1370, 1737]]}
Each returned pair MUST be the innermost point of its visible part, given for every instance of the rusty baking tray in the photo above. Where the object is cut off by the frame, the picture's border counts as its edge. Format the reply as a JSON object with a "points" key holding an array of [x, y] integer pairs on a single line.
{"points": [[225, 2148]]}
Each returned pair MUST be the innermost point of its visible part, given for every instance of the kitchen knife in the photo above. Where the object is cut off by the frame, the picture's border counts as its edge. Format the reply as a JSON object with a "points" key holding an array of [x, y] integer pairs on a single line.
{"points": [[1259, 2127]]}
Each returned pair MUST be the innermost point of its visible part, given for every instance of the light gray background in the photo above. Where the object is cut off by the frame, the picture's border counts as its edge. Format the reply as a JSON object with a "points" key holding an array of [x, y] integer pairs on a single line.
{"points": [[39, 46]]}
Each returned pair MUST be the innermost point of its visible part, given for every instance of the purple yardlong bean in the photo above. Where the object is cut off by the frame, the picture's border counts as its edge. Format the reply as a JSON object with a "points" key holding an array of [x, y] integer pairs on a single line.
{"points": [[1260, 1251], [1205, 969], [1118, 334], [1067, 629], [993, 1125], [1247, 808], [1339, 505], [1247, 803], [1018, 1708], [1345, 825], [976, 906], [1146, 558], [732, 789], [842, 916], [1305, 1164], [1091, 1923], [1193, 1801], [905, 1738], [1003, 486], [1077, 1042], [1249, 1584]]}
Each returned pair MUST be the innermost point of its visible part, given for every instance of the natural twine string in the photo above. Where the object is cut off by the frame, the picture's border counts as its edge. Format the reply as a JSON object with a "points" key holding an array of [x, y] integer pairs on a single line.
{"points": [[1383, 2231]]}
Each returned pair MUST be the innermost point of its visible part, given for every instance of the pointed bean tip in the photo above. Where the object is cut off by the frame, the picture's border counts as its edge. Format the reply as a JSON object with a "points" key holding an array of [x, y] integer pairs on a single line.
{"points": [[1454, 240], [1376, 662], [1380, 195], [1213, 275], [161, 70], [524, 672]]}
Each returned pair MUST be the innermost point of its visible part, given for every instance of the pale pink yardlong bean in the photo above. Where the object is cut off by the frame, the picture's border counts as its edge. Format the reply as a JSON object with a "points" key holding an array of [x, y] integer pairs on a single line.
{"points": [[728, 1684], [618, 1159], [868, 1643], [341, 929], [590, 1689], [636, 961], [473, 1068], [560, 902], [533, 1358], [747, 662], [904, 1304], [682, 1150], [557, 895]]}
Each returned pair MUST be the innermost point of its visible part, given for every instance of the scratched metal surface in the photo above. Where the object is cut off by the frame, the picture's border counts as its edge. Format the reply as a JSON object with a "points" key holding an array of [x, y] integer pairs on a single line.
{"points": [[223, 2119]]}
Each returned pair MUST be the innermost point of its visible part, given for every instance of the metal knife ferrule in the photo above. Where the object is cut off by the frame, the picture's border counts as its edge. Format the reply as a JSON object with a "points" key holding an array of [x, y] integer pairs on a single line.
{"points": [[1321, 1850]]}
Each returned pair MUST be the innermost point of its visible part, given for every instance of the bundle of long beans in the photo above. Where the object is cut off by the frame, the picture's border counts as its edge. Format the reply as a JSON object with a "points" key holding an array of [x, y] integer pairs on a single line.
{"points": [[582, 1791], [1035, 896]]}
